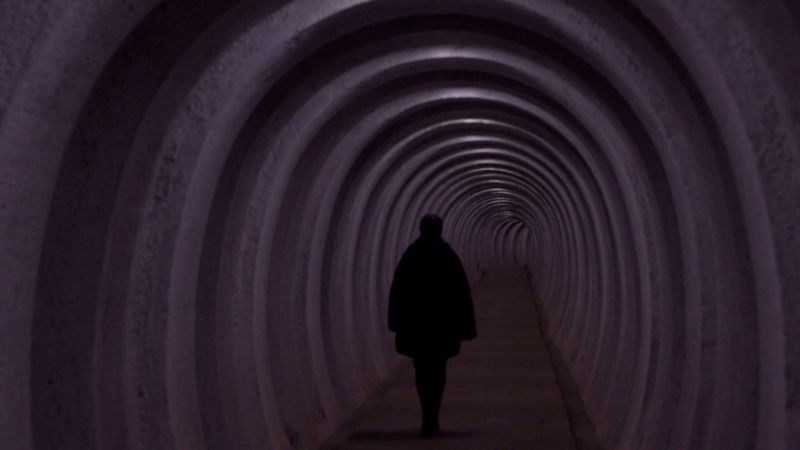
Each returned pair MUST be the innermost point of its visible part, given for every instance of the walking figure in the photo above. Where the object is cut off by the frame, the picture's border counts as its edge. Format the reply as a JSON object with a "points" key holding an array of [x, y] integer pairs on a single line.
{"points": [[430, 310]]}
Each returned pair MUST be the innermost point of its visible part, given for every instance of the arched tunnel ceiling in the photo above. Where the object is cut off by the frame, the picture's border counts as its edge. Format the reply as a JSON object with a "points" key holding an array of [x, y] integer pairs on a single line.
{"points": [[202, 204]]}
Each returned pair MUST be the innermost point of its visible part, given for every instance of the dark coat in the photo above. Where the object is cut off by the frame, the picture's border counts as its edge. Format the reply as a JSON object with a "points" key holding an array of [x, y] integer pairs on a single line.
{"points": [[430, 306]]}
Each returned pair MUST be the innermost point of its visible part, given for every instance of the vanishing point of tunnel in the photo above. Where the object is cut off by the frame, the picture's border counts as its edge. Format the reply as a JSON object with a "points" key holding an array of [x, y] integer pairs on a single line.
{"points": [[202, 203]]}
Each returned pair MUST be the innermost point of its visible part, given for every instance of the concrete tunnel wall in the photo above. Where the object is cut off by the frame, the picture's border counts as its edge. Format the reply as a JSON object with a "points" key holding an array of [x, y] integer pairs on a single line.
{"points": [[201, 205]]}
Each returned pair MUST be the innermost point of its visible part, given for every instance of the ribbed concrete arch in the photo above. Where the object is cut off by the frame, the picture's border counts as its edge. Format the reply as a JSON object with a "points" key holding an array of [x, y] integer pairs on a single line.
{"points": [[202, 205]]}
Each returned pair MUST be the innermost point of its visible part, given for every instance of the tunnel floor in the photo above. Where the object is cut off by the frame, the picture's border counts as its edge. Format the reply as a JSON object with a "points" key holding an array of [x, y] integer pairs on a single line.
{"points": [[502, 391]]}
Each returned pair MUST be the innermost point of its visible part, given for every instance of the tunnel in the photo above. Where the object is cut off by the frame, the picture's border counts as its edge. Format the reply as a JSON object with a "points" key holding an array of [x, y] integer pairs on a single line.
{"points": [[202, 204]]}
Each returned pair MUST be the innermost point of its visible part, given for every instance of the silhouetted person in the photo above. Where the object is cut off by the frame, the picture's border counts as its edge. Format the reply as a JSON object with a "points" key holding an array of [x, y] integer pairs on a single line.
{"points": [[430, 310]]}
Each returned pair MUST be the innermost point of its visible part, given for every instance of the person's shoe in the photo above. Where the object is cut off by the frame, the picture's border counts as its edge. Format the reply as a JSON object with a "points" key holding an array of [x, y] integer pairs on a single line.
{"points": [[429, 431]]}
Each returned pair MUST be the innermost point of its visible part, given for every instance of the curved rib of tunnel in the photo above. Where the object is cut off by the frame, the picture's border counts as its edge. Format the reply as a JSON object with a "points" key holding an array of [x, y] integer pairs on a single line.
{"points": [[203, 203]]}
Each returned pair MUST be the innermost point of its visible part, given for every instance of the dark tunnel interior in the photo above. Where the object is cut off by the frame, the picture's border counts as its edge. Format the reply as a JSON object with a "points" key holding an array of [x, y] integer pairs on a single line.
{"points": [[202, 204]]}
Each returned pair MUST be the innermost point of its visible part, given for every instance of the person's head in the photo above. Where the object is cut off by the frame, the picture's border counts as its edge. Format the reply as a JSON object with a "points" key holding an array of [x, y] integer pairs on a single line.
{"points": [[430, 226]]}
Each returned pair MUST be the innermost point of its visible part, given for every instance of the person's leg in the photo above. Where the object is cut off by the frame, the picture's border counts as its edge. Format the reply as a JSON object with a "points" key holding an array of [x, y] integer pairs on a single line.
{"points": [[430, 377], [422, 381], [438, 375]]}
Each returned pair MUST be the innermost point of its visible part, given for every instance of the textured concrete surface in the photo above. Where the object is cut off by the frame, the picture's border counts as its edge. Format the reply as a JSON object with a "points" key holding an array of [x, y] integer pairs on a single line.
{"points": [[202, 202], [501, 391]]}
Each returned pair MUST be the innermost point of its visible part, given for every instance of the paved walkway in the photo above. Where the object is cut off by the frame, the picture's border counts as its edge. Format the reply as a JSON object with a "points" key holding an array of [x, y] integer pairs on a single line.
{"points": [[501, 391]]}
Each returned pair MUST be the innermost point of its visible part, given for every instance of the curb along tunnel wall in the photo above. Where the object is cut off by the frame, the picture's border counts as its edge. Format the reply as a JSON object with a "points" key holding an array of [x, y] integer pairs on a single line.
{"points": [[202, 204]]}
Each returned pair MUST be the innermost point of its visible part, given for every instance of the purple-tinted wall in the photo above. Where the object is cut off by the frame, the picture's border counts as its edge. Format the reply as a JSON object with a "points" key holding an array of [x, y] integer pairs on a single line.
{"points": [[202, 203]]}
